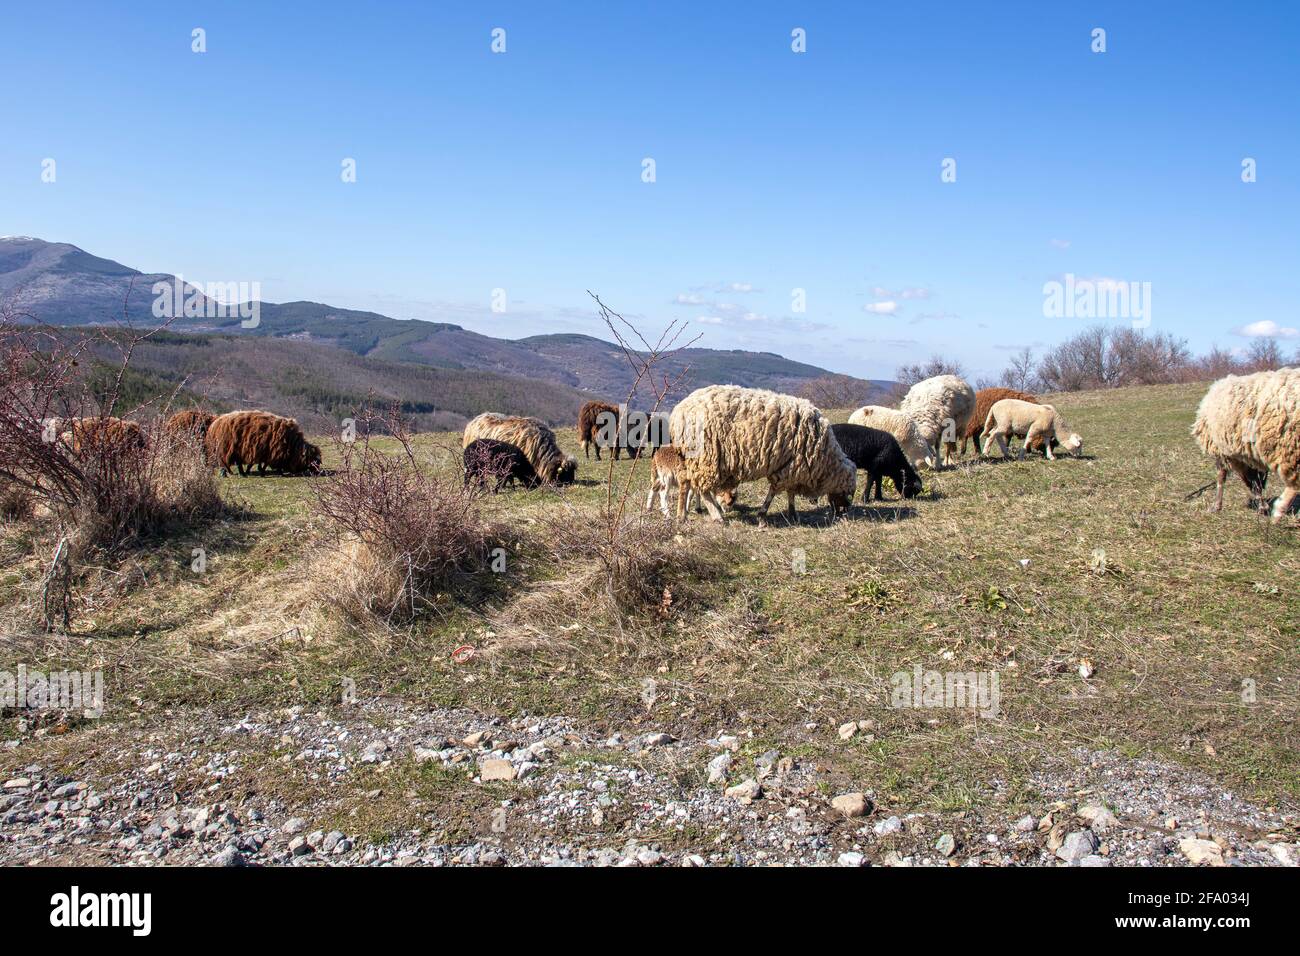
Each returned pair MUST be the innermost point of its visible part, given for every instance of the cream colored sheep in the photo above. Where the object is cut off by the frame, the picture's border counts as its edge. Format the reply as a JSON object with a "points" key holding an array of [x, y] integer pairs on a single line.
{"points": [[940, 407], [1030, 421], [1249, 423], [729, 435], [901, 427], [532, 436]]}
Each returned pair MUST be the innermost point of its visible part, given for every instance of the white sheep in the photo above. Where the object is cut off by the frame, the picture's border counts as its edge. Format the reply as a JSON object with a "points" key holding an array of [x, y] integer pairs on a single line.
{"points": [[903, 429], [940, 407], [1028, 420], [729, 435], [1249, 423]]}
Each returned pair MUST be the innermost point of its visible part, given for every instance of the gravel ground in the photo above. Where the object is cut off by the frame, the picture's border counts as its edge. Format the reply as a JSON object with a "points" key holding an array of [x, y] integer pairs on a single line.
{"points": [[544, 791]]}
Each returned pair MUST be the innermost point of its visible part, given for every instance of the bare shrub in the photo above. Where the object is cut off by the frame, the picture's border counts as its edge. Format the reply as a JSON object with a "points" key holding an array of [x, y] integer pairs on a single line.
{"points": [[908, 375], [409, 533], [836, 391], [15, 502], [105, 481]]}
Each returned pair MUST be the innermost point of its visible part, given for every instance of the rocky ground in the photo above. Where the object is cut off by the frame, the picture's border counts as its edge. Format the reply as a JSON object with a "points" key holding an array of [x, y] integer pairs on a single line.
{"points": [[306, 789]]}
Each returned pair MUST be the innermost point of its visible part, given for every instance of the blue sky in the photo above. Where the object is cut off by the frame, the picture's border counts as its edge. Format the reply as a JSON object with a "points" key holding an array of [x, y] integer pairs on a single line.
{"points": [[774, 170]]}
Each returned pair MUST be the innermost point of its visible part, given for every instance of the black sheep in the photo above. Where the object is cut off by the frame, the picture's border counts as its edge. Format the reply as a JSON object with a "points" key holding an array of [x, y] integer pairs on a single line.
{"points": [[487, 459], [878, 454]]}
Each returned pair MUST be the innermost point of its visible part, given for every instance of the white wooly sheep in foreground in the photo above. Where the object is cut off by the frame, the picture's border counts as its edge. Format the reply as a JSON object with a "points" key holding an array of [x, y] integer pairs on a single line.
{"points": [[729, 435], [941, 407], [901, 427], [1012, 417], [1251, 424]]}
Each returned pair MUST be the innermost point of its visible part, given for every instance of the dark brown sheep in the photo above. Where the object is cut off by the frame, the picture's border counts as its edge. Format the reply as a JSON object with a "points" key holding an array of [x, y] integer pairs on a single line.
{"points": [[103, 434], [589, 426], [244, 439], [190, 422], [984, 400]]}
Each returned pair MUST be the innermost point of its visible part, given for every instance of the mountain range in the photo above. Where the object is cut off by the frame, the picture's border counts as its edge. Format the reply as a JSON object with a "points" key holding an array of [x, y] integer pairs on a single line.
{"points": [[57, 283]]}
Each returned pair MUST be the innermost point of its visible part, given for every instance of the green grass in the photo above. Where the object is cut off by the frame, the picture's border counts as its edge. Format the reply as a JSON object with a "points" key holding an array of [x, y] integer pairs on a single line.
{"points": [[1184, 608]]}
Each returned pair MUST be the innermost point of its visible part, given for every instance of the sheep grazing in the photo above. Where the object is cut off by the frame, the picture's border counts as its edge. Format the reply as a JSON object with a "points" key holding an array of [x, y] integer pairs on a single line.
{"points": [[103, 435], [901, 427], [729, 435], [878, 454], [984, 400], [488, 460], [1011, 416], [941, 407], [191, 422], [666, 478], [1248, 423], [241, 440], [532, 436]]}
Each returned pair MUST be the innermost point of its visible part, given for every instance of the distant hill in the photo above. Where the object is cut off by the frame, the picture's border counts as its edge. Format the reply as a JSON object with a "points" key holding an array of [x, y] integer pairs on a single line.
{"points": [[321, 385], [60, 284]]}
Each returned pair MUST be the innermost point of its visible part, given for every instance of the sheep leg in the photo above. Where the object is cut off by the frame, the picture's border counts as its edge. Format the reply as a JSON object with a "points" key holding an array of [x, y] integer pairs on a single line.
{"points": [[790, 512], [586, 449], [715, 511], [1283, 503], [767, 503], [650, 495]]}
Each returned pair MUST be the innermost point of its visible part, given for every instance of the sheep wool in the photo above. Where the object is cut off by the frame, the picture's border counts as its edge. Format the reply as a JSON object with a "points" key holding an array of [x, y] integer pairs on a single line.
{"points": [[1249, 423], [729, 435], [532, 436], [901, 427], [941, 407]]}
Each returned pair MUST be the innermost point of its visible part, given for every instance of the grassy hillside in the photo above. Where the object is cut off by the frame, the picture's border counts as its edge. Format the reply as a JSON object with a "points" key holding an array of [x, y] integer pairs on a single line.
{"points": [[1033, 570]]}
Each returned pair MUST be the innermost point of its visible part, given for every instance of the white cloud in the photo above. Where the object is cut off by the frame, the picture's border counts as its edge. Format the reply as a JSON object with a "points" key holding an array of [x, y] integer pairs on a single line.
{"points": [[1267, 329], [1059, 243], [689, 298], [881, 308]]}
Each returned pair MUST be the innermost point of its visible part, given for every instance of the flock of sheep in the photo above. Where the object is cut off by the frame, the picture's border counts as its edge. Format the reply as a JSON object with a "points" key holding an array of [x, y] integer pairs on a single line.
{"points": [[722, 436]]}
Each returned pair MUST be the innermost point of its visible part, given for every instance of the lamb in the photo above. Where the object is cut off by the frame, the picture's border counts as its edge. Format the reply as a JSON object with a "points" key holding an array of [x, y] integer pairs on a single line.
{"points": [[941, 407], [729, 435], [901, 427], [243, 439], [984, 400], [1011, 416], [488, 459], [1248, 423], [665, 478], [191, 422], [878, 454], [532, 436]]}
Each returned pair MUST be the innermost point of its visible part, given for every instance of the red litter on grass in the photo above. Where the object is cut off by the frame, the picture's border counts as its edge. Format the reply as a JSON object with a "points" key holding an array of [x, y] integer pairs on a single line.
{"points": [[462, 654]]}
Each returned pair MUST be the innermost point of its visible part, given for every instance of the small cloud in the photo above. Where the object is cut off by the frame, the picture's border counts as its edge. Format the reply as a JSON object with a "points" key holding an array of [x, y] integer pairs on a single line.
{"points": [[1267, 329], [735, 287], [689, 298], [1059, 243], [881, 308]]}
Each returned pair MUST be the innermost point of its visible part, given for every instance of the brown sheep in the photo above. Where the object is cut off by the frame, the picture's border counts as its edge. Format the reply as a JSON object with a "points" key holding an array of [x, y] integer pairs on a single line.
{"points": [[190, 422], [532, 436], [666, 477], [984, 400], [244, 439], [589, 426], [103, 434]]}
